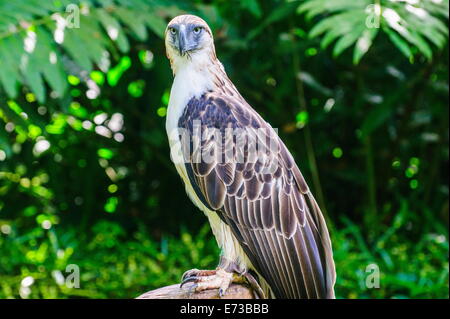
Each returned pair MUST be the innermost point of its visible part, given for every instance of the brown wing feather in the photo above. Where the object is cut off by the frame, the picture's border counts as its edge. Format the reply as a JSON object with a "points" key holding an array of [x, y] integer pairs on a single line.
{"points": [[274, 214]]}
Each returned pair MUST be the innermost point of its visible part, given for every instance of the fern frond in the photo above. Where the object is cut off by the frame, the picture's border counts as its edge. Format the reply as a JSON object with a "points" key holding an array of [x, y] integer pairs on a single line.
{"points": [[421, 24], [35, 35]]}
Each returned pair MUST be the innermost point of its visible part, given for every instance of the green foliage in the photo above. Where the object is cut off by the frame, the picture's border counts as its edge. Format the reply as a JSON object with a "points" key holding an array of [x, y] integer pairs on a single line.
{"points": [[85, 173], [53, 33], [407, 270], [119, 266], [406, 23], [123, 266]]}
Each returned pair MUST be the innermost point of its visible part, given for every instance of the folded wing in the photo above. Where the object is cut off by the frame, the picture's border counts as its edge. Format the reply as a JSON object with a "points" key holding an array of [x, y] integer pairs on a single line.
{"points": [[260, 194]]}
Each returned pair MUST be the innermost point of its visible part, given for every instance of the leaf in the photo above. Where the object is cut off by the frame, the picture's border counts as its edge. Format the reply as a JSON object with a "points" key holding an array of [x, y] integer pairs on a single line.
{"points": [[33, 78], [279, 13], [428, 29], [422, 45], [330, 36], [418, 23], [312, 82], [252, 6], [378, 115], [30, 65], [29, 8], [346, 41], [375, 118], [94, 40], [113, 29], [12, 51], [399, 43], [363, 44], [86, 45], [341, 23], [156, 24], [74, 46], [133, 21], [48, 57], [9, 75]]}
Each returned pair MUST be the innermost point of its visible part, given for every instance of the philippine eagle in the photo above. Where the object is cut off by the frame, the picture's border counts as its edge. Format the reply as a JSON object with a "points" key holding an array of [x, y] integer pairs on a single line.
{"points": [[241, 175]]}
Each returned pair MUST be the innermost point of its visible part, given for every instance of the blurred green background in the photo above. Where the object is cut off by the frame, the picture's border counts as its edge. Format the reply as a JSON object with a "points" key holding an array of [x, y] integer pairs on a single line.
{"points": [[358, 89]]}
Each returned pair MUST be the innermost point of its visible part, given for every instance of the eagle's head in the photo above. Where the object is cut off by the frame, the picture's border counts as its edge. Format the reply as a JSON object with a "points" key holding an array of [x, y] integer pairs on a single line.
{"points": [[188, 37]]}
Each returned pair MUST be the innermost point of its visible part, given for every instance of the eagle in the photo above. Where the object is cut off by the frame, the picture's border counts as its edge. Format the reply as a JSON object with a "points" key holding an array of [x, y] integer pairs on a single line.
{"points": [[239, 173]]}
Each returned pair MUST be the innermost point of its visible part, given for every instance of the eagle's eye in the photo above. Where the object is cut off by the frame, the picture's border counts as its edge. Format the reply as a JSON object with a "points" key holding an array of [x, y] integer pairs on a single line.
{"points": [[172, 30], [197, 30]]}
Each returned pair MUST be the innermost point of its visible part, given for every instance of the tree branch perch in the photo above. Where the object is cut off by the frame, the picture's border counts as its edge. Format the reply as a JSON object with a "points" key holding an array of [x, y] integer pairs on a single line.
{"points": [[235, 291]]}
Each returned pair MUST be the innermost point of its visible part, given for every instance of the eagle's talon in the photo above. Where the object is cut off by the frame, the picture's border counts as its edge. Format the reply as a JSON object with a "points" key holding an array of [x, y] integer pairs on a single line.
{"points": [[251, 280], [205, 280], [189, 273], [219, 279], [195, 275], [188, 279]]}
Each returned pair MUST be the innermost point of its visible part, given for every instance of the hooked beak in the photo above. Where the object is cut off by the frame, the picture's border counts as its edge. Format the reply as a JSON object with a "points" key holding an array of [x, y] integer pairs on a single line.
{"points": [[182, 42]]}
